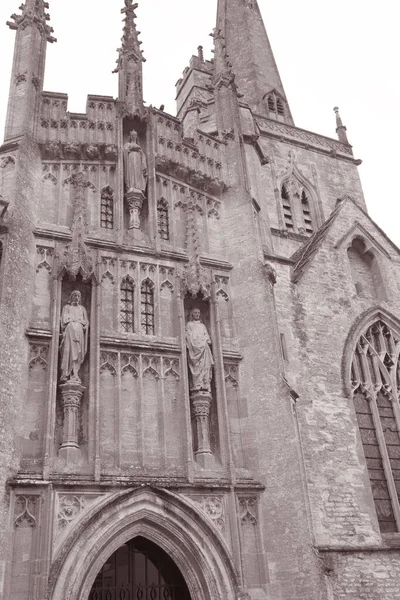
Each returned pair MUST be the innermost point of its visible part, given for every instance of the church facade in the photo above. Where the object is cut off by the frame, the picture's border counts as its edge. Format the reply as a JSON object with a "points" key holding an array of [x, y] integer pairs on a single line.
{"points": [[199, 340]]}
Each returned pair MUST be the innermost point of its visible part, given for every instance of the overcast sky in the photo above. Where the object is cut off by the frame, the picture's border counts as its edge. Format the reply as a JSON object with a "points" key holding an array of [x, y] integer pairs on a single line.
{"points": [[344, 53]]}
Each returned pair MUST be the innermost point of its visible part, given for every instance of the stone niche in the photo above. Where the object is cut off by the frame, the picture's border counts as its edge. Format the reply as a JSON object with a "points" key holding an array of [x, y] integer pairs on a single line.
{"points": [[75, 450], [207, 451]]}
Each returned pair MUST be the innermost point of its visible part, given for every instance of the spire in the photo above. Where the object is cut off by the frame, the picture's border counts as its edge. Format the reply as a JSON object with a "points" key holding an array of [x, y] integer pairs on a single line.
{"points": [[340, 128], [247, 45], [129, 63], [33, 13]]}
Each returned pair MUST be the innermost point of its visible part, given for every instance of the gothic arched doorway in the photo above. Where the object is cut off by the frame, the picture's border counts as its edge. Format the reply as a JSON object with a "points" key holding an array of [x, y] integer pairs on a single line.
{"points": [[139, 570]]}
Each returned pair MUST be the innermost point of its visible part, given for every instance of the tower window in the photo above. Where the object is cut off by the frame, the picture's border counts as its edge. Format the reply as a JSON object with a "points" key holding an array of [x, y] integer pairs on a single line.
{"points": [[107, 208], [147, 308], [163, 219], [287, 209], [375, 384], [280, 109], [305, 206], [271, 103], [127, 304]]}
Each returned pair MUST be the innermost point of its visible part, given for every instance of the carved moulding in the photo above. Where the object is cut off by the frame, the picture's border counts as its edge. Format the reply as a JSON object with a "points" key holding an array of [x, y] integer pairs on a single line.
{"points": [[25, 511], [55, 150], [190, 176]]}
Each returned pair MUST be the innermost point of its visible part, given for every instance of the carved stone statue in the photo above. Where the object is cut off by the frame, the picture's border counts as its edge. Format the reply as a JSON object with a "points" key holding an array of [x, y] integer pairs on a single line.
{"points": [[74, 343], [200, 357], [135, 165]]}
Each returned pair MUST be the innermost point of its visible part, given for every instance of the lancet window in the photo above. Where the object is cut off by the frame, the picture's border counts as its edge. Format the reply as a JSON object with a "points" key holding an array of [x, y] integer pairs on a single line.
{"points": [[107, 208], [305, 207], [147, 307], [127, 305], [375, 379], [163, 219], [287, 208]]}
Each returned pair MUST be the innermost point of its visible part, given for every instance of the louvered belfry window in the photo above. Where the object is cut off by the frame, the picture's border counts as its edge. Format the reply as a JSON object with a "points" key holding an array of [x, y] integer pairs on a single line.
{"points": [[375, 379], [287, 208]]}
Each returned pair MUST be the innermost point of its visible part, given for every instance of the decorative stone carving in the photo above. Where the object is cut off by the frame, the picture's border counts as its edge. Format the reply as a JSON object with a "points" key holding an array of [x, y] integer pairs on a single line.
{"points": [[69, 507], [213, 506], [74, 328], [270, 273], [200, 357], [77, 257], [25, 511], [45, 258], [110, 153], [93, 152], [38, 355], [135, 204], [71, 396], [73, 150], [248, 509]]}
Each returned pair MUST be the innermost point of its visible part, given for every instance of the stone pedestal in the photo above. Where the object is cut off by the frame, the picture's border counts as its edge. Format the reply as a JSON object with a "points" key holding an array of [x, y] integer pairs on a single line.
{"points": [[201, 409], [71, 396], [134, 199]]}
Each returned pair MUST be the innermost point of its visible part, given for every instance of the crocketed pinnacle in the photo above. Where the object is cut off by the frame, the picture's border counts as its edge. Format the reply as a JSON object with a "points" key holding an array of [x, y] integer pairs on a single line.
{"points": [[223, 74], [33, 12], [247, 45], [340, 128], [130, 38]]}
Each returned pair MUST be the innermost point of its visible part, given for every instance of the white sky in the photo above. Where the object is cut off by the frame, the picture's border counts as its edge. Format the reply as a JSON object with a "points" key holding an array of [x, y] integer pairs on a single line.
{"points": [[344, 53]]}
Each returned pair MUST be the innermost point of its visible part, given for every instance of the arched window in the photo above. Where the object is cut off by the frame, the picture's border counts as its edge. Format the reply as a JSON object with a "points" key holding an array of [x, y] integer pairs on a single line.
{"points": [[127, 304], [163, 219], [107, 208], [287, 208], [375, 380], [365, 271], [147, 307], [305, 207]]}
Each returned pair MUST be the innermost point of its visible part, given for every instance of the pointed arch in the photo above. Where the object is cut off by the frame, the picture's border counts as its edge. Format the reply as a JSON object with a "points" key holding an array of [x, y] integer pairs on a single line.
{"points": [[372, 370], [172, 522], [127, 307], [147, 317], [364, 265], [299, 200]]}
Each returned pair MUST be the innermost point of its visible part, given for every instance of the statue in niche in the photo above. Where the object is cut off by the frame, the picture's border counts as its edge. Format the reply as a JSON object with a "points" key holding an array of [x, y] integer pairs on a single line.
{"points": [[74, 342], [135, 165], [200, 357]]}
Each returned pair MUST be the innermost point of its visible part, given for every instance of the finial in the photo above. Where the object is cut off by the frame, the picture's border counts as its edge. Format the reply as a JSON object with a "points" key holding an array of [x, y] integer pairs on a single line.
{"points": [[33, 13], [340, 128], [200, 53]]}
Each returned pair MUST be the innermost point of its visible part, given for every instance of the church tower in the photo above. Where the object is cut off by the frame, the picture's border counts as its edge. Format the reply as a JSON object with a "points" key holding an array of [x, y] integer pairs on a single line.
{"points": [[199, 339]]}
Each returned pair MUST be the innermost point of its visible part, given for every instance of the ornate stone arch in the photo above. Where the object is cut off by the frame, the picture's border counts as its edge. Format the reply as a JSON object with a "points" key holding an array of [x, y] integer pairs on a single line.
{"points": [[161, 516], [362, 324]]}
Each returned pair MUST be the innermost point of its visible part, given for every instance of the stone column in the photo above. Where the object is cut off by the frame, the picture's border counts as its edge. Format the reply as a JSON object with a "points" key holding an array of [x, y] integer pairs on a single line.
{"points": [[71, 394], [201, 410], [135, 201]]}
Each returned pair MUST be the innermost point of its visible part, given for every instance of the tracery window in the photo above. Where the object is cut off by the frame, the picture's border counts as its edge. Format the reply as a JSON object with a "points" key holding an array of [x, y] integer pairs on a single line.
{"points": [[375, 379], [107, 208], [163, 219], [147, 307], [127, 305], [287, 208]]}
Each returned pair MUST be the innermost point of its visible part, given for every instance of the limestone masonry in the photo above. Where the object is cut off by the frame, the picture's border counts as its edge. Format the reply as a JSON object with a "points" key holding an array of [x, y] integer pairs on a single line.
{"points": [[199, 340]]}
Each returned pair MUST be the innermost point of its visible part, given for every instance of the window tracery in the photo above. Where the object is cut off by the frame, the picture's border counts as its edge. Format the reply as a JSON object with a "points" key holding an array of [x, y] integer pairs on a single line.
{"points": [[163, 219], [127, 312], [147, 307], [107, 208], [375, 380]]}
